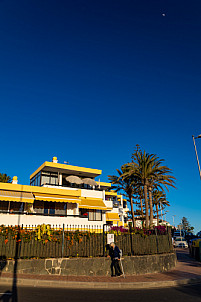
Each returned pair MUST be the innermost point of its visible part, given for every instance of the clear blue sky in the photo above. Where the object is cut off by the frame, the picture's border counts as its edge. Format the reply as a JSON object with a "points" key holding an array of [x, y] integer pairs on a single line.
{"points": [[88, 80]]}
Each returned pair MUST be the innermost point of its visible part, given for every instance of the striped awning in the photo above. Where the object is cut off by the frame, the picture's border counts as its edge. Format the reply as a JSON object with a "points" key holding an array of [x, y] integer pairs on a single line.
{"points": [[16, 196], [55, 198], [95, 203], [112, 217]]}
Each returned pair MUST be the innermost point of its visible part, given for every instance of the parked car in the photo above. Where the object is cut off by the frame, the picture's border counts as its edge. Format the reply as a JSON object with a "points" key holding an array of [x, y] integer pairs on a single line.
{"points": [[199, 234], [180, 242], [196, 242], [191, 241]]}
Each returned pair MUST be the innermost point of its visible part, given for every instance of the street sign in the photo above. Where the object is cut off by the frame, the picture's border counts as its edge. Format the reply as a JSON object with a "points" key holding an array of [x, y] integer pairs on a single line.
{"points": [[110, 238]]}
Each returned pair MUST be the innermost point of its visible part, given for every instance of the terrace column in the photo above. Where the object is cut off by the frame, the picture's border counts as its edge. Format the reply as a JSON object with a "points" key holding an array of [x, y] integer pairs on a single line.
{"points": [[60, 179], [103, 195], [77, 209]]}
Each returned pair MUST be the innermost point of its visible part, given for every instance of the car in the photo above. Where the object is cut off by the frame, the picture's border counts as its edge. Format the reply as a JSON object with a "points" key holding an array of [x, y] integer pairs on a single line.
{"points": [[199, 234], [191, 241], [196, 242], [180, 242]]}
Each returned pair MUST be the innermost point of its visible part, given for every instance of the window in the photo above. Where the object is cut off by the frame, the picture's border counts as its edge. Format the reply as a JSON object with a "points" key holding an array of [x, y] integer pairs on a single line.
{"points": [[49, 208], [35, 181], [4, 206], [124, 204], [38, 207], [49, 178], [95, 215], [60, 209], [16, 206], [84, 212]]}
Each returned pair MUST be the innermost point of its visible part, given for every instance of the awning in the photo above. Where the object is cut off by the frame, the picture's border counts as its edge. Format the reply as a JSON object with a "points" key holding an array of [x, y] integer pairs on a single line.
{"points": [[112, 217], [95, 203], [16, 196], [56, 198]]}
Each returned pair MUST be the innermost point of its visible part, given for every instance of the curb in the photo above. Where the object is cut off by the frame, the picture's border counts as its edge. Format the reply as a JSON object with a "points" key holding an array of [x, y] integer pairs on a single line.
{"points": [[99, 285]]}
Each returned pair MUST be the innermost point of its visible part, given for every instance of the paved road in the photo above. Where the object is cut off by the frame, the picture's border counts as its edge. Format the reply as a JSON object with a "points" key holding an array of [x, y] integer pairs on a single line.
{"points": [[177, 294]]}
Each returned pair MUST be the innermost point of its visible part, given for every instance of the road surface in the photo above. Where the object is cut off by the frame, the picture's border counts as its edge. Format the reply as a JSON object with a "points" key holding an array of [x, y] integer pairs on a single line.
{"points": [[26, 294]]}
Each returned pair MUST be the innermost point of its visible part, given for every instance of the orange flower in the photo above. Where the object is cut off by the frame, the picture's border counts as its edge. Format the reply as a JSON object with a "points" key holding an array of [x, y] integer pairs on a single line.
{"points": [[6, 240]]}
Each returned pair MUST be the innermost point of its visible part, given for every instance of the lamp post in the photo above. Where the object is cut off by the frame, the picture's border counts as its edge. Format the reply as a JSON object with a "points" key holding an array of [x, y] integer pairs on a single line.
{"points": [[173, 216], [199, 136], [165, 215]]}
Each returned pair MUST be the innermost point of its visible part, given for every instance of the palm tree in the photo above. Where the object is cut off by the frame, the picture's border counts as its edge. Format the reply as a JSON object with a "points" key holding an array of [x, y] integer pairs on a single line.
{"points": [[159, 200], [149, 172], [161, 178], [140, 196], [140, 168], [126, 184], [4, 178]]}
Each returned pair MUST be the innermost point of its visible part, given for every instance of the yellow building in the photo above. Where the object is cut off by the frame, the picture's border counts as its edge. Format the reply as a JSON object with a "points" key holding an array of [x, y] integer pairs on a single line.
{"points": [[61, 194]]}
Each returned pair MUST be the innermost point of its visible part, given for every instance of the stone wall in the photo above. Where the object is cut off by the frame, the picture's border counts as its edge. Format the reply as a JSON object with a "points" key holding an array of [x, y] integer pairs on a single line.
{"points": [[135, 265]]}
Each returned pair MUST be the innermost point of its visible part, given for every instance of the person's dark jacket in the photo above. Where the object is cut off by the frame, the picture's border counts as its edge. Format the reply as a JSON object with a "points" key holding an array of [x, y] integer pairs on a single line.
{"points": [[114, 253]]}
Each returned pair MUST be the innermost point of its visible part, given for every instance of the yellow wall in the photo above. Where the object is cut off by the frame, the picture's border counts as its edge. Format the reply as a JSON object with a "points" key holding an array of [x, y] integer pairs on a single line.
{"points": [[67, 167], [34, 189]]}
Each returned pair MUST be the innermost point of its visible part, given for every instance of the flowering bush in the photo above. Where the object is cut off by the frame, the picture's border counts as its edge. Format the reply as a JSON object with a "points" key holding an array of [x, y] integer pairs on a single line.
{"points": [[42, 233], [159, 230]]}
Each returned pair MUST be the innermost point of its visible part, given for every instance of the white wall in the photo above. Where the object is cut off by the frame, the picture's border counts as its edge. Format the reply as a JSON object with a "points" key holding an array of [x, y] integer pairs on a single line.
{"points": [[14, 219], [91, 193]]}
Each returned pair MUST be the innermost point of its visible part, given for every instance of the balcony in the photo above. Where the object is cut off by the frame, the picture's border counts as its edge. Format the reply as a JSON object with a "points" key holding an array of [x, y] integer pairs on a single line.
{"points": [[108, 203]]}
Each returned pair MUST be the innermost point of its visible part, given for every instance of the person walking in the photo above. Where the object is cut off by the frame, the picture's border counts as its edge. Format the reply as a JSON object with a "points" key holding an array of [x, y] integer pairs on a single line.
{"points": [[114, 254]]}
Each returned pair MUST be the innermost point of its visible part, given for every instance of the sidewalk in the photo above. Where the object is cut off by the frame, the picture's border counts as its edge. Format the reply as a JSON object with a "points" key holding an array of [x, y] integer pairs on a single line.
{"points": [[187, 271]]}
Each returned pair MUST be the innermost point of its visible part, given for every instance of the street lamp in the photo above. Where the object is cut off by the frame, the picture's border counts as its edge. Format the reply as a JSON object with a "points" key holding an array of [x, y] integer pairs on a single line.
{"points": [[165, 215], [173, 216], [199, 136]]}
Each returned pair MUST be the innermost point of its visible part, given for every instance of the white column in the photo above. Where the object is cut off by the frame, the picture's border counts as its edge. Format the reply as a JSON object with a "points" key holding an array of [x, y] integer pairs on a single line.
{"points": [[77, 209], [60, 179], [103, 195]]}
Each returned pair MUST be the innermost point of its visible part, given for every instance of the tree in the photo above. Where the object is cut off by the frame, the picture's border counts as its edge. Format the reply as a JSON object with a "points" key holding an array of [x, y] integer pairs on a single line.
{"points": [[4, 178], [159, 200], [186, 225], [139, 169], [149, 173], [124, 183]]}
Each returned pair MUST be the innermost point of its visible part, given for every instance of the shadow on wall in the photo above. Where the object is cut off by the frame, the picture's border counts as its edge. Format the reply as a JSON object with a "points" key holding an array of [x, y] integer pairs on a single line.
{"points": [[7, 296], [3, 263], [11, 296]]}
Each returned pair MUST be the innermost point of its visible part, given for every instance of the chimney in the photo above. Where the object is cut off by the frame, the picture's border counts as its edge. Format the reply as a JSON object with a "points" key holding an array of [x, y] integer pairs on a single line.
{"points": [[54, 159], [14, 180]]}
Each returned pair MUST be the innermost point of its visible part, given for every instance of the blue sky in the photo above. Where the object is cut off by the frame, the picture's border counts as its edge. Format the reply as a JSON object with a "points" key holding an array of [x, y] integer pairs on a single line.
{"points": [[88, 80]]}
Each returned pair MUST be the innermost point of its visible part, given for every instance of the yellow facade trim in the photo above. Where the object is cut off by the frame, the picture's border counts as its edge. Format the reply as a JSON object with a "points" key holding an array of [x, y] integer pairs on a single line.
{"points": [[16, 196], [96, 172], [111, 193], [112, 217], [43, 190], [104, 184], [92, 203]]}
